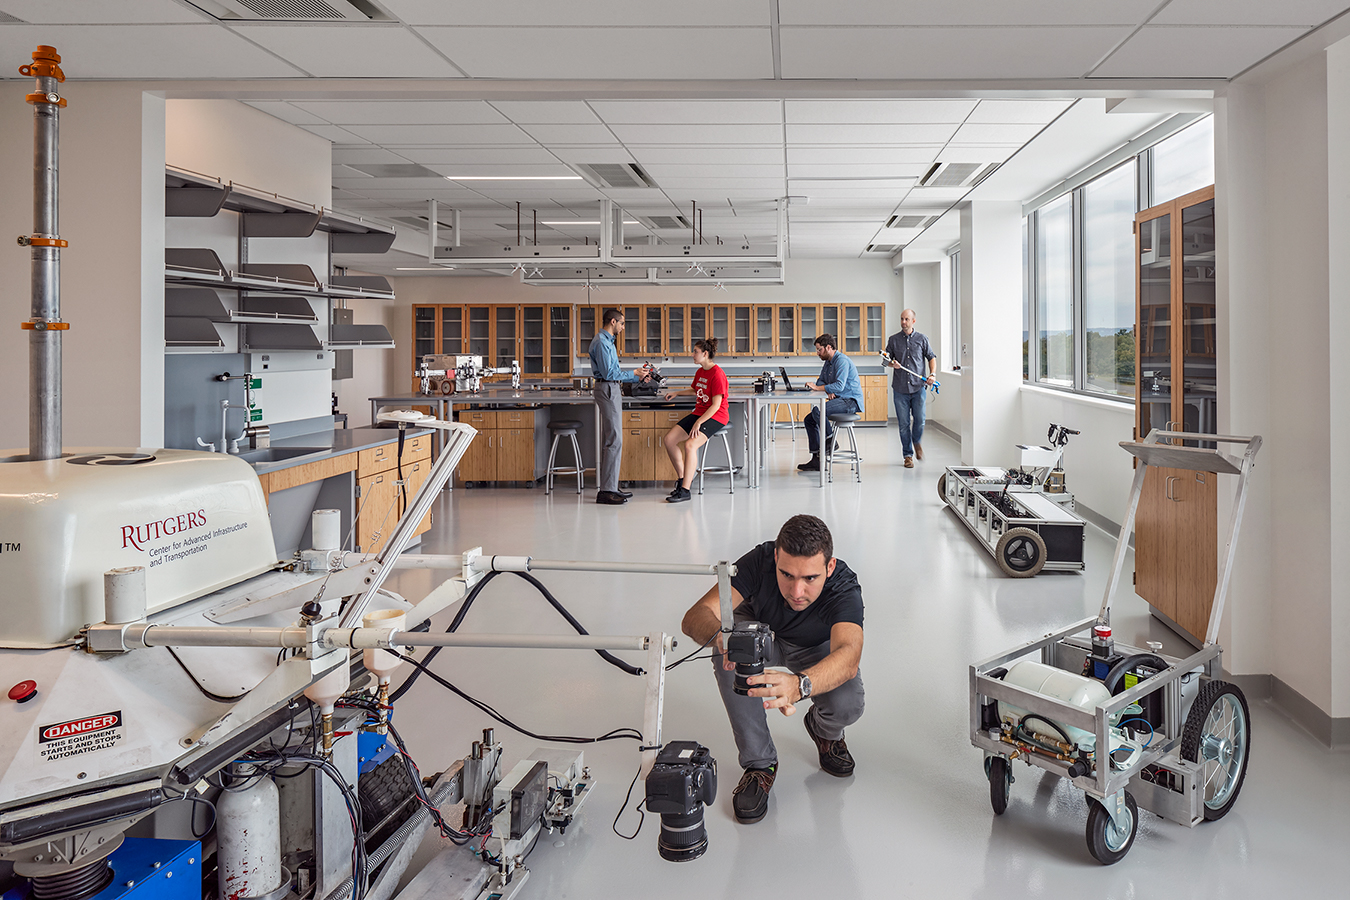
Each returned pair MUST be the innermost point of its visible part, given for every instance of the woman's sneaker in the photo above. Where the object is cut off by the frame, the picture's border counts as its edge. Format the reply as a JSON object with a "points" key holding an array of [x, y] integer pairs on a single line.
{"points": [[679, 495]]}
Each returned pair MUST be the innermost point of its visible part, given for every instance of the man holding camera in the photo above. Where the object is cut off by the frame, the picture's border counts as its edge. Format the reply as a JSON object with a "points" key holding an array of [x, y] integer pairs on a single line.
{"points": [[797, 607]]}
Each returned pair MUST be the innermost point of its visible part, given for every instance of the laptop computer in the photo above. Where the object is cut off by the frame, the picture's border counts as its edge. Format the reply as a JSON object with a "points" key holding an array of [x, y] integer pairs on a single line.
{"points": [[787, 382]]}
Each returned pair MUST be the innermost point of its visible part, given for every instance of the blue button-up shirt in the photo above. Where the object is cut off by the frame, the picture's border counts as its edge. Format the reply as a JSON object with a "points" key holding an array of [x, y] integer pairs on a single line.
{"points": [[839, 376], [605, 359]]}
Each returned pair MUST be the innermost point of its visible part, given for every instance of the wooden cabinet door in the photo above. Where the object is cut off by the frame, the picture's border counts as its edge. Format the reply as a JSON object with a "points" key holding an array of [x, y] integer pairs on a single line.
{"points": [[1153, 564], [415, 474], [662, 468], [378, 511], [515, 458], [635, 463], [479, 462], [875, 403], [1194, 545], [588, 324]]}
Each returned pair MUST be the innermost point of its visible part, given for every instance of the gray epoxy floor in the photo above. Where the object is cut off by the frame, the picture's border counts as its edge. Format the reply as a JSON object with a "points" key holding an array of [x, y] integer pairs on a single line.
{"points": [[915, 819]]}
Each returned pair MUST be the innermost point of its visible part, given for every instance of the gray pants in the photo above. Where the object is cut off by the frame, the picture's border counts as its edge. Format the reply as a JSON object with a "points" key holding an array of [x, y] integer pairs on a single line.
{"points": [[834, 711], [609, 409]]}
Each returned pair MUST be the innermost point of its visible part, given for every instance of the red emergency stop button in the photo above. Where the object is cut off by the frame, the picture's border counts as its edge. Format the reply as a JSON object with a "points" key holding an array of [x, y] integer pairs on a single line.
{"points": [[23, 691]]}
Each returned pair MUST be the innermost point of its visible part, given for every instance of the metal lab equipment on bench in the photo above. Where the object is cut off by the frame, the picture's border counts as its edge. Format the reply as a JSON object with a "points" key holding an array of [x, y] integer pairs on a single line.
{"points": [[1137, 727]]}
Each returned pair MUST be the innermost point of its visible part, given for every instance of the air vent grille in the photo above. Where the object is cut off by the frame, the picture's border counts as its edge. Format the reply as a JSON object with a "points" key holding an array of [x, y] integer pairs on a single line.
{"points": [[615, 175], [906, 222], [882, 248], [957, 174], [7, 19], [666, 223], [294, 10]]}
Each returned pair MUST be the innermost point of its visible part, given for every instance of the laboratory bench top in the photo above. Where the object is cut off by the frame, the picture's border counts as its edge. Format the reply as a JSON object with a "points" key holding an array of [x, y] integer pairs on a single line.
{"points": [[325, 444]]}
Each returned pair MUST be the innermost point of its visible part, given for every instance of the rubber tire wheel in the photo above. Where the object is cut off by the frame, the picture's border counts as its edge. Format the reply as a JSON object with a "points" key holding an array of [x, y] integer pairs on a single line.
{"points": [[1195, 727], [383, 789], [1020, 534], [1099, 820], [942, 487], [1000, 783]]}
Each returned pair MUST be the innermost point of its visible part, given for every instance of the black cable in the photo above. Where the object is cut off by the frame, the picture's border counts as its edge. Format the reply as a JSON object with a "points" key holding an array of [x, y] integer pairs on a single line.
{"points": [[691, 655], [616, 734], [626, 797], [604, 654], [1115, 678], [454, 626], [219, 698], [1038, 718], [402, 434]]}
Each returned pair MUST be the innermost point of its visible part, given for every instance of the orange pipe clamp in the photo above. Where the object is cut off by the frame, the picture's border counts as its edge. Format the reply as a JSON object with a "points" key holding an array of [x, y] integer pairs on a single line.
{"points": [[46, 64], [46, 242], [45, 326]]}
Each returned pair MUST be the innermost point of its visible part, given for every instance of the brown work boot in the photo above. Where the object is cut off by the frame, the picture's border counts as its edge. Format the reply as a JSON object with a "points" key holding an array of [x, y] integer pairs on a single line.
{"points": [[918, 450], [834, 755], [909, 462], [750, 799]]}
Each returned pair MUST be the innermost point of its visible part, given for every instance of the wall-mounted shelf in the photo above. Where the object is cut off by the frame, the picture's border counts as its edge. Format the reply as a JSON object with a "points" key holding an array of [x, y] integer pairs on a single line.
{"points": [[357, 337], [181, 331], [280, 337]]}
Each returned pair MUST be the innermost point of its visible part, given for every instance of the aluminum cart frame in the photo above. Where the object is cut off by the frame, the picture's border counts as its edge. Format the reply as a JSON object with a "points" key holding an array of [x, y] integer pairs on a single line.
{"points": [[1042, 535], [1193, 767]]}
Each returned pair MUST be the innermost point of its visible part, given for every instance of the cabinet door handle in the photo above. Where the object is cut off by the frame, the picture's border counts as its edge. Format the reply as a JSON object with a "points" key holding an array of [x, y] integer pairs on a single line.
{"points": [[1167, 489]]}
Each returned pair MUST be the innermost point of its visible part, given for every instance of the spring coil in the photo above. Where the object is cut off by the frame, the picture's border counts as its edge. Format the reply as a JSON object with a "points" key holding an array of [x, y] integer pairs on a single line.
{"points": [[76, 884]]}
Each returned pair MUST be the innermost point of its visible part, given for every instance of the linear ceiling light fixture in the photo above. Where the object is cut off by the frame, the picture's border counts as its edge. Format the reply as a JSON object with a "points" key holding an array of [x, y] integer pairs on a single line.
{"points": [[421, 268], [513, 178], [587, 222]]}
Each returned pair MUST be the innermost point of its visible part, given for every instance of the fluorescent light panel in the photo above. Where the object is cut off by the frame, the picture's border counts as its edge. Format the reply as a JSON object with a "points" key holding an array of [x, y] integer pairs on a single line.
{"points": [[513, 178]]}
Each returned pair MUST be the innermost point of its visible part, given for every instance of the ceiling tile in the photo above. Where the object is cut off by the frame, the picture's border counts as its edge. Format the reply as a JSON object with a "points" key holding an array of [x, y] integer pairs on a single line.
{"points": [[571, 134], [689, 112], [351, 51], [592, 12], [344, 155], [1194, 52], [977, 153], [101, 12], [403, 112], [870, 134], [897, 112], [862, 155], [145, 51], [442, 134], [875, 170], [937, 53], [286, 112], [532, 155], [546, 112], [591, 154], [1012, 112], [612, 53], [995, 134], [699, 134], [333, 133], [967, 12], [721, 171], [1247, 12], [656, 155], [718, 186], [496, 169]]}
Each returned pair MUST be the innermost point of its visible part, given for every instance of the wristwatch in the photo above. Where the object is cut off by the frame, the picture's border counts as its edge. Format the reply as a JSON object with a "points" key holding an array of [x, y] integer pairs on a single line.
{"points": [[804, 685]]}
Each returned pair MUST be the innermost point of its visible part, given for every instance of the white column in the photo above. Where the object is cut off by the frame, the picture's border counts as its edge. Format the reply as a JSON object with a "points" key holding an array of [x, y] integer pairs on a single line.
{"points": [[1338, 376], [991, 330]]}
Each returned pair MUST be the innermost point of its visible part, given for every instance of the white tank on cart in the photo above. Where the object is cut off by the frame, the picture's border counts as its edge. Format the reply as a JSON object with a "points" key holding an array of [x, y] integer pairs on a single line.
{"points": [[196, 521]]}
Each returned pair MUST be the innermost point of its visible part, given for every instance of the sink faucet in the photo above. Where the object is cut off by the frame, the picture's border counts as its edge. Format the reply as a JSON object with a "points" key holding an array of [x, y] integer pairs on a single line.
{"points": [[228, 445]]}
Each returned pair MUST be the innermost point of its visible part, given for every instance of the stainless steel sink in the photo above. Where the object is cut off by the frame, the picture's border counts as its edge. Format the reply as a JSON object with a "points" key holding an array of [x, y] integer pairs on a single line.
{"points": [[277, 454]]}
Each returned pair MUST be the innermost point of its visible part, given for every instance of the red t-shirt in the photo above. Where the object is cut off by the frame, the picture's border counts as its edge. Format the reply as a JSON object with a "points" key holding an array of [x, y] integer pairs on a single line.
{"points": [[708, 383]]}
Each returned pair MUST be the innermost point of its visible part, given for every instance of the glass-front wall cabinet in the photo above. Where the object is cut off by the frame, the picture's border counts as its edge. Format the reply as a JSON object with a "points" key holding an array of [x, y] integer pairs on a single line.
{"points": [[1155, 323]]}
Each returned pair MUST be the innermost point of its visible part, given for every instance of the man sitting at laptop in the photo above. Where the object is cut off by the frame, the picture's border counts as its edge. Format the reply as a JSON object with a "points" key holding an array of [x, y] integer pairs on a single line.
{"points": [[839, 380]]}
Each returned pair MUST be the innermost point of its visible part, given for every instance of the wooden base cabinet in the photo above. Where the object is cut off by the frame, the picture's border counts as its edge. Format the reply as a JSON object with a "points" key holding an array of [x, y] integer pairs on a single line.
{"points": [[876, 398], [1176, 536], [504, 447], [380, 501], [644, 456]]}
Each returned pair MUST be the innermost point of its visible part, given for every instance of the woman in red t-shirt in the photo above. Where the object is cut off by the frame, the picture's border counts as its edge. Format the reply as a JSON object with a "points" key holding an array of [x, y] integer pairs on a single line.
{"points": [[709, 417]]}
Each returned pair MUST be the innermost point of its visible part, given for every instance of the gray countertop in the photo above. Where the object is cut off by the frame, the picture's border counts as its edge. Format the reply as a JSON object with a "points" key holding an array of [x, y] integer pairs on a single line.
{"points": [[326, 444]]}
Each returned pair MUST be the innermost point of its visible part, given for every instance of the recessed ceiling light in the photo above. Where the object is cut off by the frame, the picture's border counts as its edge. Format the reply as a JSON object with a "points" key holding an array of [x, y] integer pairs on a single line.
{"points": [[513, 178]]}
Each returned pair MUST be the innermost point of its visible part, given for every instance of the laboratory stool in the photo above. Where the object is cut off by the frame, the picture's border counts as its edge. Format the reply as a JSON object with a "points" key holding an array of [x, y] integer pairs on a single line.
{"points": [[567, 428], [790, 424], [851, 457], [729, 469]]}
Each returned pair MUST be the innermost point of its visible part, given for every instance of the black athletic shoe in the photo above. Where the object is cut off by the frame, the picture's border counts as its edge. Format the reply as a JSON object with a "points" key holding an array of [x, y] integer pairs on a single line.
{"points": [[811, 465], [679, 495], [610, 498], [750, 799], [834, 755]]}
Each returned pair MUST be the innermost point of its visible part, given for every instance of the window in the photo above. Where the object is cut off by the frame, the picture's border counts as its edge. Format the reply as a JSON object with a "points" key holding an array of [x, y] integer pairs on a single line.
{"points": [[1054, 292], [1108, 281], [1026, 298], [1182, 163]]}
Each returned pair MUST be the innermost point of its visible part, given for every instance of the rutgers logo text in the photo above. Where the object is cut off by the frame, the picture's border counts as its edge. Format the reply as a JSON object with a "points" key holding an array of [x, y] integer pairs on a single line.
{"points": [[136, 535]]}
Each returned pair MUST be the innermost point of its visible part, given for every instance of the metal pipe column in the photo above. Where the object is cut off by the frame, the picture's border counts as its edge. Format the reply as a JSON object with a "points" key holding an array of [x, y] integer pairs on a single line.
{"points": [[45, 325]]}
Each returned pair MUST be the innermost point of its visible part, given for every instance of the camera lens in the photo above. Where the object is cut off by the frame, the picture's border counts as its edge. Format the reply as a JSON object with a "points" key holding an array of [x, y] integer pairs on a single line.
{"points": [[683, 837], [744, 671]]}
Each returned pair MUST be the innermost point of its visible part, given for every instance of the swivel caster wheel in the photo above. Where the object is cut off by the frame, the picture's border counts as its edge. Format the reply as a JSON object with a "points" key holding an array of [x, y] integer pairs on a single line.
{"points": [[1107, 843]]}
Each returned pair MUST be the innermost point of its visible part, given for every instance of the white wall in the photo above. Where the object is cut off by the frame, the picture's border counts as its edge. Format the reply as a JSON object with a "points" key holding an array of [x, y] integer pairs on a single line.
{"points": [[112, 281], [372, 370], [1338, 376], [1098, 471]]}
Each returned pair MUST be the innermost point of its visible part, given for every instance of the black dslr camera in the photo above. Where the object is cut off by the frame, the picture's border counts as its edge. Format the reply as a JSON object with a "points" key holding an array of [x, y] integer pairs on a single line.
{"points": [[746, 647], [681, 781]]}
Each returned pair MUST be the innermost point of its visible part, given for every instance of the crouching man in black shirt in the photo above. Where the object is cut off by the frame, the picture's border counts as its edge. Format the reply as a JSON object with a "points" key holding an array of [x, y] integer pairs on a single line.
{"points": [[813, 604]]}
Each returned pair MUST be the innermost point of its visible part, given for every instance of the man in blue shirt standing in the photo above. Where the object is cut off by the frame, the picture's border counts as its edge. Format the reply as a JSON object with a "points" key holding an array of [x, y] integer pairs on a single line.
{"points": [[609, 405], [838, 379], [910, 349]]}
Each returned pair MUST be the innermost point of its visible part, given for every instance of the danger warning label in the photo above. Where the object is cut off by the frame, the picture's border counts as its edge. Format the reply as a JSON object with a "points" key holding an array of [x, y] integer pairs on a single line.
{"points": [[86, 735]]}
